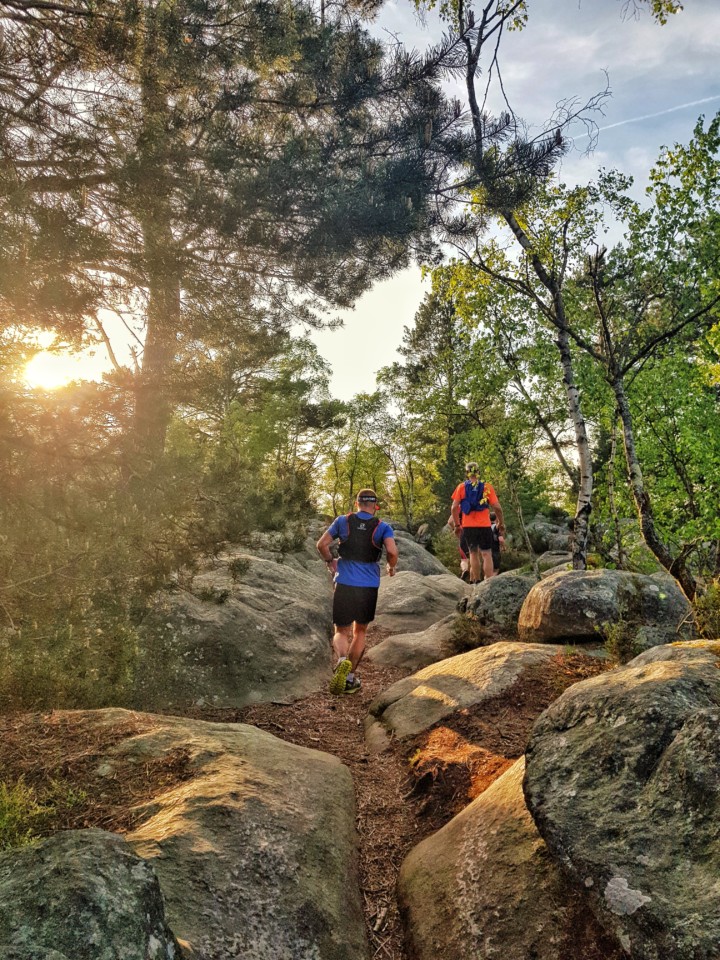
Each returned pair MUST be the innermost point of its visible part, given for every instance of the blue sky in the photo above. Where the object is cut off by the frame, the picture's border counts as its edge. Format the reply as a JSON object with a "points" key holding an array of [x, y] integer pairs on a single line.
{"points": [[661, 77]]}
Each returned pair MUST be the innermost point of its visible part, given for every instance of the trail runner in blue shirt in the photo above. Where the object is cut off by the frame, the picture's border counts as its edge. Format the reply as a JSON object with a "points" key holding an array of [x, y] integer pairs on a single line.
{"points": [[356, 575]]}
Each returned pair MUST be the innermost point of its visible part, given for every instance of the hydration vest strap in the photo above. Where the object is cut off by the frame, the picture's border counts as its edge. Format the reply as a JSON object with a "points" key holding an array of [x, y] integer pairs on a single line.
{"points": [[344, 536]]}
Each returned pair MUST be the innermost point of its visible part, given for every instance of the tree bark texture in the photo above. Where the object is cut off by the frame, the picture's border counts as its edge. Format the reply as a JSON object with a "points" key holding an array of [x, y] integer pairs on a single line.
{"points": [[677, 566]]}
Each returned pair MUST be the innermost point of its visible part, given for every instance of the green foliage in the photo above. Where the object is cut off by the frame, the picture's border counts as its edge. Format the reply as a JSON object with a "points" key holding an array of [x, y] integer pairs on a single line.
{"points": [[223, 173], [89, 531], [238, 567], [19, 811], [445, 548], [621, 641], [467, 634], [706, 608], [24, 810]]}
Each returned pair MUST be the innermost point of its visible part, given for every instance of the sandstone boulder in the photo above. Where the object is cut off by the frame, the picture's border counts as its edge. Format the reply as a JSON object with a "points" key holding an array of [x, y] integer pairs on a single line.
{"points": [[553, 558], [560, 542], [559, 568], [256, 849], [410, 602], [81, 895], [415, 650], [415, 703], [496, 603], [485, 886], [546, 535], [414, 557], [249, 628], [576, 605], [623, 782]]}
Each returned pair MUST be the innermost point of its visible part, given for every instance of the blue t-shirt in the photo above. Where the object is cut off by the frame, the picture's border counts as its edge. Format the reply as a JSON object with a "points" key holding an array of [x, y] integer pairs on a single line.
{"points": [[355, 573]]}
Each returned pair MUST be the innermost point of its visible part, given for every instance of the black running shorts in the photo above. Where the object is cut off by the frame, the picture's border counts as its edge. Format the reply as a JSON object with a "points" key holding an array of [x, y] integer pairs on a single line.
{"points": [[353, 604], [478, 538]]}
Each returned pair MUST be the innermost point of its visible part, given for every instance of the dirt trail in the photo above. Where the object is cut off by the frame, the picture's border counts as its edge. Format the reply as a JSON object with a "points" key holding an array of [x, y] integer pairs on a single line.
{"points": [[398, 803]]}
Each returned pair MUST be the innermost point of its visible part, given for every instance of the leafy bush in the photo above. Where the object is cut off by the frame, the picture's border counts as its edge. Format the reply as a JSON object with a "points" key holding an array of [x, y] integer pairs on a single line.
{"points": [[445, 548], [238, 567], [621, 641], [468, 634], [707, 612], [24, 811]]}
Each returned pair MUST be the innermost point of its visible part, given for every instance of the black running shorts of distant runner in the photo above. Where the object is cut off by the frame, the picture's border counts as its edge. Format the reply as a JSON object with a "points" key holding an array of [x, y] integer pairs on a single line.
{"points": [[353, 604], [478, 538]]}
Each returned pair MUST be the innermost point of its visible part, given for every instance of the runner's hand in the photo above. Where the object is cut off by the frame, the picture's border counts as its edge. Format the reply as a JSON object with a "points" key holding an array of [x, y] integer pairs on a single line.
{"points": [[390, 571], [332, 567]]}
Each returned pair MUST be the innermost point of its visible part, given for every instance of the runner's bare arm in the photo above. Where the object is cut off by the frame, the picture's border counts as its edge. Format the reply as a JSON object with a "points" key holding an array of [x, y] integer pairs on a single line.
{"points": [[456, 517], [323, 548], [392, 555]]}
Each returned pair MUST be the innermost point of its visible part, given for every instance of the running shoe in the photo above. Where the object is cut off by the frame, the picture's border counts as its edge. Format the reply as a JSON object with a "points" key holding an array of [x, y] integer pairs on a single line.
{"points": [[337, 681], [352, 686]]}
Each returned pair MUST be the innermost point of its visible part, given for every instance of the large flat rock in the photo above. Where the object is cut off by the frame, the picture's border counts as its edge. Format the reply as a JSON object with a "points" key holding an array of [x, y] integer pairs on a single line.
{"points": [[415, 650], [416, 703], [251, 627], [410, 602], [623, 782], [256, 850], [485, 885], [414, 557]]}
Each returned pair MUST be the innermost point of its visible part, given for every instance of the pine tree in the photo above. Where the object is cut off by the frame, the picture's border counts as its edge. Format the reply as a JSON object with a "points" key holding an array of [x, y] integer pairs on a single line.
{"points": [[195, 159]]}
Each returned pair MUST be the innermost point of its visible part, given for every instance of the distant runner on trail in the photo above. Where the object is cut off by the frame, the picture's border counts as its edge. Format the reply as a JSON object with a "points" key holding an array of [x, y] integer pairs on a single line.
{"points": [[462, 549], [362, 536], [472, 500], [497, 543]]}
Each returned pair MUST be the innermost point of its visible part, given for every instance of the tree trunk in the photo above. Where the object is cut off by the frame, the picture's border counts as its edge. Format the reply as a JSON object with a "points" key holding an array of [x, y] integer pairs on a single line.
{"points": [[152, 403], [521, 520], [677, 566], [611, 498], [581, 525], [160, 260]]}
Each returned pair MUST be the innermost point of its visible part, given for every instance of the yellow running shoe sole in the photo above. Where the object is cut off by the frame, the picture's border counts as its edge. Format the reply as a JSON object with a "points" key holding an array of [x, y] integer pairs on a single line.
{"points": [[337, 682]]}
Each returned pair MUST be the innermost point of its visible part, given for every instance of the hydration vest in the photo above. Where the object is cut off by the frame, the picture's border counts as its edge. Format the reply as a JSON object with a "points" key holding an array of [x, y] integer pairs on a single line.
{"points": [[359, 543], [474, 498]]}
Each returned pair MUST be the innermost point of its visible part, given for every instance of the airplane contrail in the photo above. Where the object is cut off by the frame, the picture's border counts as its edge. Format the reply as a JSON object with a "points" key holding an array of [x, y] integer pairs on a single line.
{"points": [[651, 116]]}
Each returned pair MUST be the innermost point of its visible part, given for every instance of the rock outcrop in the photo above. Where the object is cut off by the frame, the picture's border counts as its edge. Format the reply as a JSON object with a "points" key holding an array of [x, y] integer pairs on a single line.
{"points": [[553, 558], [623, 782], [415, 703], [251, 627], [81, 895], [255, 849], [415, 650], [410, 602], [415, 558], [577, 605], [485, 886], [495, 604], [546, 535]]}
